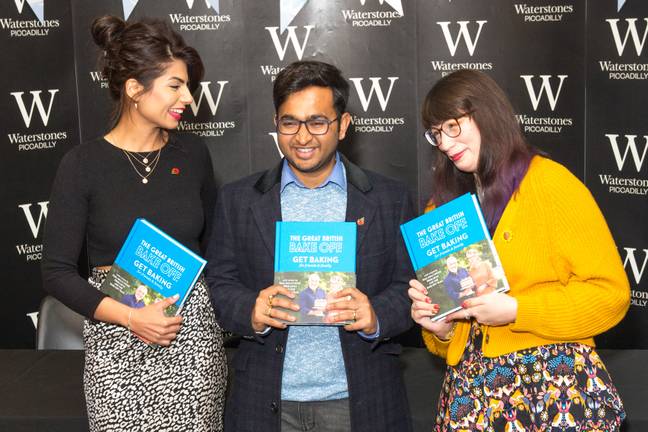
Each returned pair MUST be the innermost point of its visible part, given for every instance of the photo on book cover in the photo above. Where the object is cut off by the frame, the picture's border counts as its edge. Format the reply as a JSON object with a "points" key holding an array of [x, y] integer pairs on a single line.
{"points": [[467, 273], [130, 291], [314, 290]]}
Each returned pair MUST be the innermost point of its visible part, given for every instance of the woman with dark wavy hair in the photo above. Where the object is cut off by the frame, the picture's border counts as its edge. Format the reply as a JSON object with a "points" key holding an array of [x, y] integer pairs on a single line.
{"points": [[143, 370], [525, 359]]}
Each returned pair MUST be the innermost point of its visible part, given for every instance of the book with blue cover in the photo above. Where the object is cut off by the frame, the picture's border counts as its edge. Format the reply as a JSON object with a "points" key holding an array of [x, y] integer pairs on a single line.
{"points": [[314, 260], [453, 254], [151, 266]]}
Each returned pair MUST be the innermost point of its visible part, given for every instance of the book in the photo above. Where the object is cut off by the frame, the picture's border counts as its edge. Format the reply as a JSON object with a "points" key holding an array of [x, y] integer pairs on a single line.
{"points": [[314, 260], [453, 254], [151, 266]]}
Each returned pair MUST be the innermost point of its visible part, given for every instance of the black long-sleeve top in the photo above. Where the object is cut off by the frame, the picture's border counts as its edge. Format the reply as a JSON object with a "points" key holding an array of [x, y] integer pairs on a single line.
{"points": [[97, 195]]}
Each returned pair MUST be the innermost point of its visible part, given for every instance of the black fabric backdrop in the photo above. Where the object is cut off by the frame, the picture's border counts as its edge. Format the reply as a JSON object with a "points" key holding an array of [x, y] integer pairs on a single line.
{"points": [[575, 71]]}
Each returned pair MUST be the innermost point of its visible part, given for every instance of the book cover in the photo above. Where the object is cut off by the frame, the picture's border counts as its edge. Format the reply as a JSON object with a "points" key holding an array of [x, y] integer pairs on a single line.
{"points": [[150, 266], [314, 260], [453, 254]]}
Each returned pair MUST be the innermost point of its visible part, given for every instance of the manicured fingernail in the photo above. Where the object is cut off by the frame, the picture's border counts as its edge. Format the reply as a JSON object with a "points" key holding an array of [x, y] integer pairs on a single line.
{"points": [[464, 305]]}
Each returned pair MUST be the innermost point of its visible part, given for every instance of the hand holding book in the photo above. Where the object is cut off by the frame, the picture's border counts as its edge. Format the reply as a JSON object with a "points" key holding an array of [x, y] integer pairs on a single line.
{"points": [[150, 323], [493, 309], [152, 326], [351, 306], [271, 307], [424, 308]]}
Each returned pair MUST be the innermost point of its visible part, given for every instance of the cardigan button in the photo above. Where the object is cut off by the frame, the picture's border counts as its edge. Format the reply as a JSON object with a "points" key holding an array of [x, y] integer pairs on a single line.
{"points": [[279, 348], [487, 338], [274, 407]]}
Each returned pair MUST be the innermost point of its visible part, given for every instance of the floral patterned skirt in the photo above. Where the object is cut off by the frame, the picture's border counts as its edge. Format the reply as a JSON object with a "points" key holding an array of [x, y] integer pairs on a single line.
{"points": [[559, 387]]}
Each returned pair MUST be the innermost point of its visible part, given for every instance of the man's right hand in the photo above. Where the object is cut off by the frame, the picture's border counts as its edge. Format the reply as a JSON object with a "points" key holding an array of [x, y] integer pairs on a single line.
{"points": [[266, 313]]}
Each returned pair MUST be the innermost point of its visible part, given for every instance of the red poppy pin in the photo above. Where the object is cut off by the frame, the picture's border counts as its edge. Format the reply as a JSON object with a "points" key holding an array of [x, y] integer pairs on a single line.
{"points": [[175, 171], [360, 221]]}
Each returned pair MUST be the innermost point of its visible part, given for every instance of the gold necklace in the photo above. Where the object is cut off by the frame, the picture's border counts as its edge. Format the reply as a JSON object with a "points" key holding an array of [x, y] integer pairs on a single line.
{"points": [[148, 168]]}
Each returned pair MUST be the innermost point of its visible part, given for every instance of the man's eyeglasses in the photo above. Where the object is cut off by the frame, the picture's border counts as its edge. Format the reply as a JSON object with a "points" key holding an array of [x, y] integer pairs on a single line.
{"points": [[314, 126], [451, 128]]}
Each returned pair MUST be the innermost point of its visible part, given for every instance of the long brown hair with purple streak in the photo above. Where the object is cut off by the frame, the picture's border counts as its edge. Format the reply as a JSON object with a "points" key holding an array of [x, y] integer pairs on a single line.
{"points": [[504, 155]]}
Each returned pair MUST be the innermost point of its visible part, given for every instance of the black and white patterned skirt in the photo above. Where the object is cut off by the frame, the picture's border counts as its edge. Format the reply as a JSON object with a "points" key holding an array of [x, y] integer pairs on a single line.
{"points": [[132, 386]]}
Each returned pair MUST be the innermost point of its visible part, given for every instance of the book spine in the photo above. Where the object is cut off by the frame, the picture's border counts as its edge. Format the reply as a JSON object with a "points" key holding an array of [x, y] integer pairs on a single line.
{"points": [[193, 283], [410, 251], [277, 258], [480, 215]]}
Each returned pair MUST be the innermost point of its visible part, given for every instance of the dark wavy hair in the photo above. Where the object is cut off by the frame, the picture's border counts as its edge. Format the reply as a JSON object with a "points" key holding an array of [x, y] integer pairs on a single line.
{"points": [[299, 75], [504, 155], [141, 50]]}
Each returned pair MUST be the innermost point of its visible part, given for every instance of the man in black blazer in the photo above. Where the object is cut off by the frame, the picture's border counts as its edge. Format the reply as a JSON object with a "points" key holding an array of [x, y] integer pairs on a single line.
{"points": [[344, 378]]}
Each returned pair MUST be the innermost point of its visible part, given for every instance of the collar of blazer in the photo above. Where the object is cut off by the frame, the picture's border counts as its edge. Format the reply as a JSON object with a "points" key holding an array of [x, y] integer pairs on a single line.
{"points": [[355, 176]]}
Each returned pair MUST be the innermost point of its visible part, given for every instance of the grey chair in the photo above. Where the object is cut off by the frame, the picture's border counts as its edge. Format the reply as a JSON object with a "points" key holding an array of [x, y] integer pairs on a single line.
{"points": [[59, 327]]}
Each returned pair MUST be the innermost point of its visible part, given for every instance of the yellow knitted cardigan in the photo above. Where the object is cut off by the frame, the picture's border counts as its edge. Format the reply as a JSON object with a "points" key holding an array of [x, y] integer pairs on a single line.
{"points": [[561, 263]]}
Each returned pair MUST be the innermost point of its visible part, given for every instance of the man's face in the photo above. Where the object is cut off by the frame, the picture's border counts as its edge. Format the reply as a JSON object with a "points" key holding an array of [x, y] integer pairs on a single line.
{"points": [[311, 156], [140, 293], [313, 281], [452, 264]]}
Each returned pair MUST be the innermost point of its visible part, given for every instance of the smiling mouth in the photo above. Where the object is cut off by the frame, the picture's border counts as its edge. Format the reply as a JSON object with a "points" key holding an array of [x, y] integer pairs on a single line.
{"points": [[457, 156], [176, 113], [304, 151]]}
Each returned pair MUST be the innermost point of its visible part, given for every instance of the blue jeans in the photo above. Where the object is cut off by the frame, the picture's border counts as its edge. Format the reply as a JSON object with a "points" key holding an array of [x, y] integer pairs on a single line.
{"points": [[317, 416]]}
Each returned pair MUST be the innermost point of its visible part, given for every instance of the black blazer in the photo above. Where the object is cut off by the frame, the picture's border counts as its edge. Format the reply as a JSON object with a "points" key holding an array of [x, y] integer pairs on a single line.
{"points": [[241, 262]]}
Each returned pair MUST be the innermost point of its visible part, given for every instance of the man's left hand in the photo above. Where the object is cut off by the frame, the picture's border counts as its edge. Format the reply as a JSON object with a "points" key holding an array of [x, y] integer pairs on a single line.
{"points": [[351, 304]]}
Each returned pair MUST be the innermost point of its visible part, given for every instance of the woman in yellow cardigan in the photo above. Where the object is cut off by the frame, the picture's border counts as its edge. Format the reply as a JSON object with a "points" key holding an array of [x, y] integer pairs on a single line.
{"points": [[522, 360]]}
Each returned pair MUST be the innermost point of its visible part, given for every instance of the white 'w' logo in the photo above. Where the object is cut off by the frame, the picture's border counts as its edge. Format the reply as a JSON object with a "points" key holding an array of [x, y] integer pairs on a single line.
{"points": [[634, 268], [375, 89], [463, 34], [33, 225], [630, 31], [206, 93], [291, 39], [545, 87], [631, 146], [37, 102]]}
